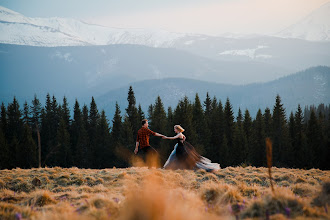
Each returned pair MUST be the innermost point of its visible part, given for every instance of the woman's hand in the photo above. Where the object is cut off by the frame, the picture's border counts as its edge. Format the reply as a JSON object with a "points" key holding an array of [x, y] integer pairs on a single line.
{"points": [[164, 137]]}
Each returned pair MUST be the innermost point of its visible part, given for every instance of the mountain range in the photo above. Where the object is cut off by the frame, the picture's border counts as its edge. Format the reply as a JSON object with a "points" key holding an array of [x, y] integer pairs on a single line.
{"points": [[19, 29], [285, 55], [308, 87], [70, 57], [93, 70]]}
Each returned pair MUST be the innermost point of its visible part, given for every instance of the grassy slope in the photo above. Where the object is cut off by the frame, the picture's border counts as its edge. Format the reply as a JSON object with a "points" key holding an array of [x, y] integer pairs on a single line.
{"points": [[141, 193]]}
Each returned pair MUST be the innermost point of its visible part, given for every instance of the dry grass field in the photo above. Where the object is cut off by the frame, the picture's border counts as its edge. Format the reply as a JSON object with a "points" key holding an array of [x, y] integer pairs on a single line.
{"points": [[142, 193]]}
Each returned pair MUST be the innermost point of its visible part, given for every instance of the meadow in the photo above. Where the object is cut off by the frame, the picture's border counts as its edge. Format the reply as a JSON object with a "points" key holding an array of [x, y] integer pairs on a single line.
{"points": [[143, 193]]}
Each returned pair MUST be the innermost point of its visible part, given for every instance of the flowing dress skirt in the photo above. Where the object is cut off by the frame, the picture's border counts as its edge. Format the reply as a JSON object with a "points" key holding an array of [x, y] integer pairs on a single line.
{"points": [[184, 156]]}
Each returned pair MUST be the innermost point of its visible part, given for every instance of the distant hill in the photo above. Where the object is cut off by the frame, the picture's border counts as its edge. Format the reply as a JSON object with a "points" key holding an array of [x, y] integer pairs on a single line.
{"points": [[308, 87], [105, 72], [94, 70]]}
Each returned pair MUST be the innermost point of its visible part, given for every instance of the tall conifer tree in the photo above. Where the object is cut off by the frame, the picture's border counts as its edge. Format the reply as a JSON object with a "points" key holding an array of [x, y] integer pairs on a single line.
{"points": [[280, 134], [132, 111], [258, 147], [229, 130]]}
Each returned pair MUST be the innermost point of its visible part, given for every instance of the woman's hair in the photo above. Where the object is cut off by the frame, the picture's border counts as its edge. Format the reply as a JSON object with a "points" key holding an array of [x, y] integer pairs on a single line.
{"points": [[179, 128]]}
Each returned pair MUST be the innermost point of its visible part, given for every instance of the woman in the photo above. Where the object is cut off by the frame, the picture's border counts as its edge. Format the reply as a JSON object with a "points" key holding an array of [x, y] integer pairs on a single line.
{"points": [[184, 155]]}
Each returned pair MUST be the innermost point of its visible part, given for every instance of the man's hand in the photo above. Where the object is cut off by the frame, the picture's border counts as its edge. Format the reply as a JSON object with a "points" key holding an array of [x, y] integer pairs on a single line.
{"points": [[164, 137], [136, 150]]}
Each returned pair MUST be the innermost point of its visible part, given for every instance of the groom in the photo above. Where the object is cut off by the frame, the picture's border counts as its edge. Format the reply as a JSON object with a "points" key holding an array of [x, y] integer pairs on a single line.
{"points": [[142, 141]]}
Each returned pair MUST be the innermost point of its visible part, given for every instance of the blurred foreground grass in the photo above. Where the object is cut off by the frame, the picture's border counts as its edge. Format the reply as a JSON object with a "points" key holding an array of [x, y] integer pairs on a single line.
{"points": [[142, 193]]}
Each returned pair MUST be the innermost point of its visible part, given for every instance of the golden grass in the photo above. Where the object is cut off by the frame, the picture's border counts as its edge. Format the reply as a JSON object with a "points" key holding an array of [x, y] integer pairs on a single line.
{"points": [[142, 193]]}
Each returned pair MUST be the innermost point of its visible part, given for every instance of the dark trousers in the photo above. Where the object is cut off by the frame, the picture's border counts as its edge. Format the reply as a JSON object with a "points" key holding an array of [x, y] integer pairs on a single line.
{"points": [[148, 153]]}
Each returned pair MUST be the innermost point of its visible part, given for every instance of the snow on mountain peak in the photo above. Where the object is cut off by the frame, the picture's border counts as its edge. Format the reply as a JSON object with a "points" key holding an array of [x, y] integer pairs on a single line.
{"points": [[7, 15], [314, 27], [15, 28]]}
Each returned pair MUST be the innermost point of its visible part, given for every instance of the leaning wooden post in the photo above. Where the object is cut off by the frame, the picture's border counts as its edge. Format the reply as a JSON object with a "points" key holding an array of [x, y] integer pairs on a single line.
{"points": [[269, 161]]}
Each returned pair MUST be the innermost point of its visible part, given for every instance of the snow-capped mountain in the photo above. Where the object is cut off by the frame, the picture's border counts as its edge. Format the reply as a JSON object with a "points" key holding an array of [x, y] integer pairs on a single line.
{"points": [[284, 54], [314, 27], [16, 28]]}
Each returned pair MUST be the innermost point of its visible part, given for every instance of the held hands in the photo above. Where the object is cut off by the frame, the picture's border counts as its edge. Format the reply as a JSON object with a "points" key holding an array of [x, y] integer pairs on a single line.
{"points": [[164, 137]]}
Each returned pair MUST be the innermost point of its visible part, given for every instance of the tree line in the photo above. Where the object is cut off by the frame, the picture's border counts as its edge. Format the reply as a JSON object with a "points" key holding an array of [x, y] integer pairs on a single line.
{"points": [[90, 140]]}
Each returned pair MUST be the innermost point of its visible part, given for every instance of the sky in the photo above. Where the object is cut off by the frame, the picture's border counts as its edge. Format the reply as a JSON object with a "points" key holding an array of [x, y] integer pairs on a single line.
{"points": [[211, 17]]}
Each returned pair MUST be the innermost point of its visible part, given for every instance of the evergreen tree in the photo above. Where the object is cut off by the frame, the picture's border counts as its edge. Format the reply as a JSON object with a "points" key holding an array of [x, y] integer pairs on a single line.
{"points": [[170, 122], [215, 134], [258, 148], [55, 113], [229, 130], [75, 130], [158, 122], [183, 116], [116, 136], [268, 123], [132, 112], [65, 112], [301, 151], [207, 113], [35, 110], [26, 114], [103, 151], [15, 124], [3, 118], [79, 137], [62, 152], [314, 139], [4, 148], [150, 112], [116, 126], [170, 118], [85, 116], [13, 153], [28, 147], [207, 104], [45, 131], [27, 156], [239, 144], [281, 143], [93, 119], [141, 115], [292, 133], [203, 132], [14, 131], [50, 123], [323, 144], [127, 146], [327, 153], [83, 149], [159, 125], [247, 125]]}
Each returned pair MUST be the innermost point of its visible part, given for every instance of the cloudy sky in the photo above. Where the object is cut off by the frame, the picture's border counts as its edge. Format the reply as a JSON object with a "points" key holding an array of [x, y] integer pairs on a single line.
{"points": [[211, 17]]}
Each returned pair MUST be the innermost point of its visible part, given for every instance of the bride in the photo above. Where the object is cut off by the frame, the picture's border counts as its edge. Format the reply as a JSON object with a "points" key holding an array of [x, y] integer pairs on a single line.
{"points": [[184, 155]]}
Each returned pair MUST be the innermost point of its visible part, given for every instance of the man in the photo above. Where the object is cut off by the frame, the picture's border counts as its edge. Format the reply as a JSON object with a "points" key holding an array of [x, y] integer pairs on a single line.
{"points": [[142, 140]]}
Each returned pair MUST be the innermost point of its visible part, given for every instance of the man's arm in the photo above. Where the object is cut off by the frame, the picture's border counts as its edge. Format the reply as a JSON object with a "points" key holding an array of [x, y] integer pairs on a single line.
{"points": [[136, 147], [155, 133], [172, 138], [159, 135]]}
